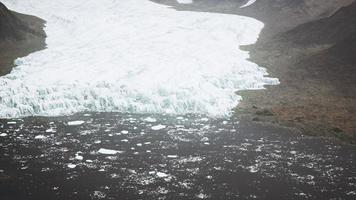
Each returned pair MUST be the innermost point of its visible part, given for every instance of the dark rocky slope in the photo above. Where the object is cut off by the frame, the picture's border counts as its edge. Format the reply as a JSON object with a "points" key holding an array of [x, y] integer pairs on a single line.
{"points": [[316, 63], [19, 35]]}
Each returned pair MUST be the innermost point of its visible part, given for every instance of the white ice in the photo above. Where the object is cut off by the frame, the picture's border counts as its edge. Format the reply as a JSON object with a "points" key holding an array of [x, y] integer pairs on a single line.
{"points": [[108, 151], [131, 56], [76, 123], [161, 174], [40, 137], [158, 127], [71, 166]]}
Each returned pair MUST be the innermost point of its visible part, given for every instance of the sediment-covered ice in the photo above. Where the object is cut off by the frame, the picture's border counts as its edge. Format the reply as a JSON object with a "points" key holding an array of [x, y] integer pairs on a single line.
{"points": [[131, 56]]}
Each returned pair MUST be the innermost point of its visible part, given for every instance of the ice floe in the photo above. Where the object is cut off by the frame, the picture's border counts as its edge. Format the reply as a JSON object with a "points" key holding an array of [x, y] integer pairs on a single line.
{"points": [[76, 123], [158, 127]]}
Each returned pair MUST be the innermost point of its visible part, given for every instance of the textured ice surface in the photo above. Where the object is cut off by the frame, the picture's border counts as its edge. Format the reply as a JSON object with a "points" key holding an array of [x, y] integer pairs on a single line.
{"points": [[131, 56]]}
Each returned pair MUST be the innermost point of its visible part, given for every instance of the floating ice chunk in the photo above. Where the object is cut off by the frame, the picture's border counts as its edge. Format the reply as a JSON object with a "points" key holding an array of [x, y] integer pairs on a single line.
{"points": [[202, 196], [78, 157], [99, 195], [172, 156], [108, 151], [204, 119], [76, 123], [71, 166], [204, 139], [161, 175], [3, 135], [51, 130], [253, 168], [89, 161], [158, 127], [124, 132], [40, 137], [150, 119]]}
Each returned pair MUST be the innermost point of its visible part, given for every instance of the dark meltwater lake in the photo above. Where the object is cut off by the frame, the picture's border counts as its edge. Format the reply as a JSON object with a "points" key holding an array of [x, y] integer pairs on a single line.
{"points": [[124, 156]]}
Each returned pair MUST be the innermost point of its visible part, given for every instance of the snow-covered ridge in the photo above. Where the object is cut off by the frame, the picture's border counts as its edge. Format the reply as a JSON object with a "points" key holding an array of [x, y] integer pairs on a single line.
{"points": [[131, 56]]}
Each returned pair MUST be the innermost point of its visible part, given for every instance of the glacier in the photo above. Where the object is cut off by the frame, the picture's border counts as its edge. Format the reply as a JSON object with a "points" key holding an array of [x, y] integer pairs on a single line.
{"points": [[132, 56]]}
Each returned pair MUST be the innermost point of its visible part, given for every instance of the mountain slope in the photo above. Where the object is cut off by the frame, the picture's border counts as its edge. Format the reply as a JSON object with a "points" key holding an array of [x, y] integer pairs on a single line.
{"points": [[19, 35], [278, 15], [316, 65], [338, 27]]}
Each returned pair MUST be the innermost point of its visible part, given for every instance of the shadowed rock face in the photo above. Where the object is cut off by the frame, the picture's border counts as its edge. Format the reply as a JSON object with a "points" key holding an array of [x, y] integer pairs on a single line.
{"points": [[19, 35], [336, 28], [8, 24], [12, 27], [316, 65]]}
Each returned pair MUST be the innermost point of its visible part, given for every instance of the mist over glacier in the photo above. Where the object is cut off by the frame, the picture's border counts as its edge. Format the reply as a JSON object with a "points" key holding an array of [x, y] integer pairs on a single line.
{"points": [[132, 56]]}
